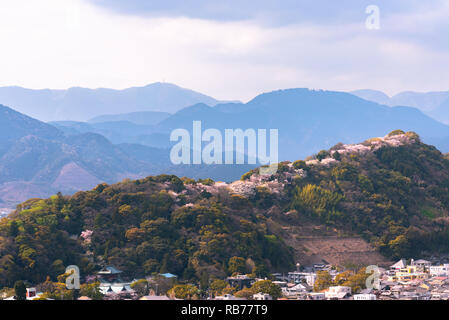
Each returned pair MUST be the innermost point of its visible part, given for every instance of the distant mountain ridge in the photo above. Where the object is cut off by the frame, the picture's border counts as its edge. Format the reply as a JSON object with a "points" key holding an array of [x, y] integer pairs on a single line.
{"points": [[307, 120], [14, 125], [38, 159], [434, 104], [140, 118], [82, 104]]}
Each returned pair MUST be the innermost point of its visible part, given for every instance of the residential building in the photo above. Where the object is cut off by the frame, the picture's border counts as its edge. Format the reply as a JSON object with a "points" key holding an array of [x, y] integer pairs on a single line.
{"points": [[109, 274], [421, 265], [240, 281], [337, 292], [317, 296], [442, 270], [294, 290], [401, 264], [160, 298], [298, 277], [365, 296], [407, 274], [116, 287], [262, 296], [227, 297]]}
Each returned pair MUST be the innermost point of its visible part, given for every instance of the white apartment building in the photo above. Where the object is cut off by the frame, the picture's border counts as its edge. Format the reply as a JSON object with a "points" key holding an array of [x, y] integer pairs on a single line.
{"points": [[442, 270], [365, 296]]}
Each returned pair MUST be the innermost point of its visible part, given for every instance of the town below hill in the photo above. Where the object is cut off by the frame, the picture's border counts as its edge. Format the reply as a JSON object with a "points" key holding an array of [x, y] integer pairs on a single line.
{"points": [[413, 280]]}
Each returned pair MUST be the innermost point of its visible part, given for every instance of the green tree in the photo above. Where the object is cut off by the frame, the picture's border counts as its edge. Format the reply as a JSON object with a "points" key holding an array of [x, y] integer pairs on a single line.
{"points": [[20, 290], [267, 286], [323, 281], [91, 290], [236, 265], [357, 281], [217, 287], [177, 184], [57, 267], [184, 291], [336, 155], [245, 293], [141, 287], [313, 198], [300, 164], [204, 281], [13, 229], [323, 154]]}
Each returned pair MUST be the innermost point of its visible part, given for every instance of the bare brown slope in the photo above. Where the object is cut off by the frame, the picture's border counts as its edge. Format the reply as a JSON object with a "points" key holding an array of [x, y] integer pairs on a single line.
{"points": [[316, 244]]}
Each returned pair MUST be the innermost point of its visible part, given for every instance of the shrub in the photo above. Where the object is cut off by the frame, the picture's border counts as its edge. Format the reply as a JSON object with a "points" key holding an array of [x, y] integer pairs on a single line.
{"points": [[300, 164], [323, 154]]}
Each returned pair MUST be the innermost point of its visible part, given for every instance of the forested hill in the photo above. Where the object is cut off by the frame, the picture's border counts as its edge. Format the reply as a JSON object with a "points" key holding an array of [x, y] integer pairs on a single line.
{"points": [[392, 191]]}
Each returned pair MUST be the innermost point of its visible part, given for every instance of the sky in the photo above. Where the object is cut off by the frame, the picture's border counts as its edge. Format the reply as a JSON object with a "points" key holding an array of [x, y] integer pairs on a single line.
{"points": [[231, 50]]}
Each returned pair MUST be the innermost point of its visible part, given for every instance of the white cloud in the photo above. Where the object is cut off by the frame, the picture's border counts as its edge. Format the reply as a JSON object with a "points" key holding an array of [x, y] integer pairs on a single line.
{"points": [[58, 44]]}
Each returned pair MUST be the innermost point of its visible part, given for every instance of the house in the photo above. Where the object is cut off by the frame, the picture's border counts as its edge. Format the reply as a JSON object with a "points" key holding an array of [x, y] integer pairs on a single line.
{"points": [[298, 277], [442, 270], [365, 296], [159, 298], [413, 295], [169, 275], [321, 267], [407, 274], [262, 296], [295, 290], [317, 296], [421, 265], [438, 281], [337, 292], [240, 281], [31, 294], [109, 274], [281, 284], [228, 297], [110, 282], [108, 288], [440, 294], [401, 264]]}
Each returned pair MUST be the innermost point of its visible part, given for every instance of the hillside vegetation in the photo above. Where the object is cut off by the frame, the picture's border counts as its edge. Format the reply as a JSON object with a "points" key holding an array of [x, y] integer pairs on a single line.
{"points": [[158, 224], [391, 191]]}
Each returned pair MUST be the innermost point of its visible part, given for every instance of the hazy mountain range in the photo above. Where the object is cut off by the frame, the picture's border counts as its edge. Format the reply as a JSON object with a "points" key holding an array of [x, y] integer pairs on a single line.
{"points": [[435, 104], [307, 120], [81, 104], [38, 159], [140, 118]]}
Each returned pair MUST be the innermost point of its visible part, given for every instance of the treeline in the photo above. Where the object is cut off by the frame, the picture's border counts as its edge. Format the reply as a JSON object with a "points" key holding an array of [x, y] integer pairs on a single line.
{"points": [[154, 225]]}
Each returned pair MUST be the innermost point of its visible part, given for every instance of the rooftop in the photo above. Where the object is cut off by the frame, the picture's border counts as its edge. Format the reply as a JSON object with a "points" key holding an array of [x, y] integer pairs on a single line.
{"points": [[109, 270]]}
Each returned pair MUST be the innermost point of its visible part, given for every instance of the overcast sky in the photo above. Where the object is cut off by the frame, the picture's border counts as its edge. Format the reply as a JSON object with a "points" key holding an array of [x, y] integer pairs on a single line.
{"points": [[224, 48]]}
